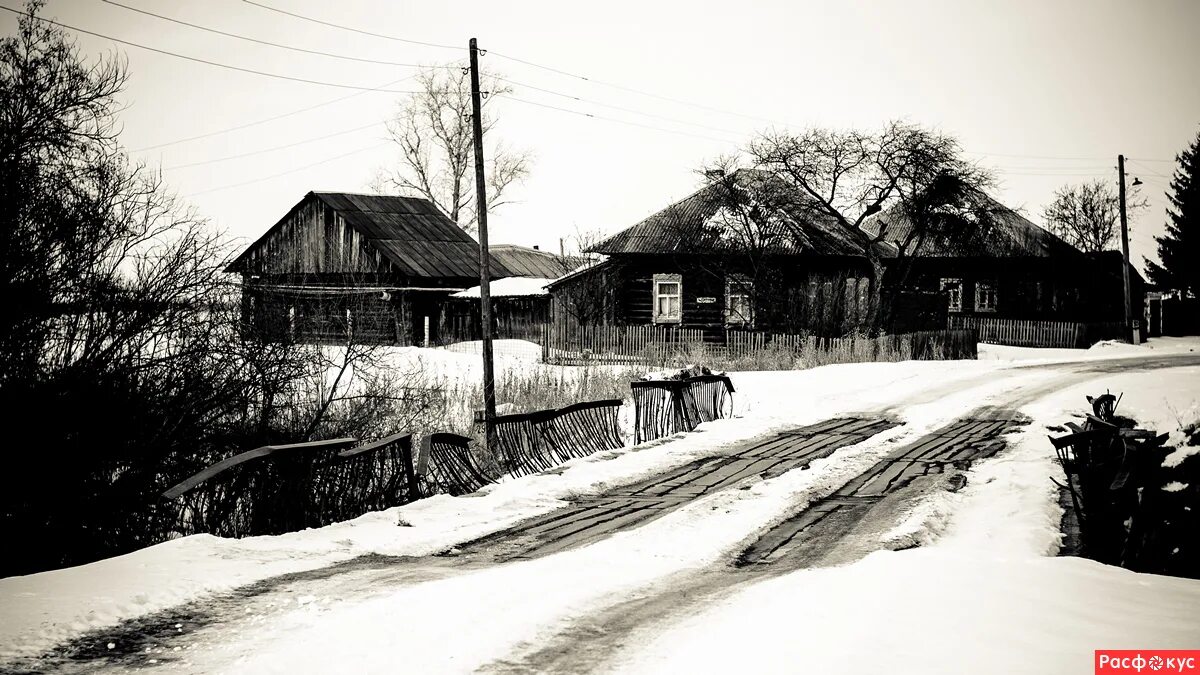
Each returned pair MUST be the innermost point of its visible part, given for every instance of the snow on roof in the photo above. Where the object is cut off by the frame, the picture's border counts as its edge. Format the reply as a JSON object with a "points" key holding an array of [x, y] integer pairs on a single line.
{"points": [[509, 287]]}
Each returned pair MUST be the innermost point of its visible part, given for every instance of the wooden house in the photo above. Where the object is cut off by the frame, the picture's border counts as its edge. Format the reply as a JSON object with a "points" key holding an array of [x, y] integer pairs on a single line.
{"points": [[367, 268], [1002, 274], [745, 251], [1004, 268]]}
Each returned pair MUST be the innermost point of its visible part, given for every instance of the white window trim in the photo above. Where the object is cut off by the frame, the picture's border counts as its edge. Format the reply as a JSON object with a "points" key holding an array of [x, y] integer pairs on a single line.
{"points": [[744, 321], [655, 295], [979, 286], [946, 284]]}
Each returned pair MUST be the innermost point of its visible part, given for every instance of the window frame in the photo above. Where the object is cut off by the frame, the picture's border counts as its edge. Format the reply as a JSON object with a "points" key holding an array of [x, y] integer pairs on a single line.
{"points": [[982, 287], [655, 295], [747, 288], [952, 283]]}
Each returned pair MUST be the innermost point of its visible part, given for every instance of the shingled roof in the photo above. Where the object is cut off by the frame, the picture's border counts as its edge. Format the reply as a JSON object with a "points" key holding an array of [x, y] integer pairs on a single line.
{"points": [[410, 233], [693, 224], [995, 231], [531, 262]]}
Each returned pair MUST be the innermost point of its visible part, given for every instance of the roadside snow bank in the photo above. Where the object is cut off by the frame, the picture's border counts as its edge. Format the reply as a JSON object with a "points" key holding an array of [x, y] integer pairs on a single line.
{"points": [[931, 611], [1107, 349]]}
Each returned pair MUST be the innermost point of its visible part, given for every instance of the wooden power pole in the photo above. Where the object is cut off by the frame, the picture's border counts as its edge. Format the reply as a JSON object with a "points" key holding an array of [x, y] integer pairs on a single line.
{"points": [[485, 273], [1130, 330]]}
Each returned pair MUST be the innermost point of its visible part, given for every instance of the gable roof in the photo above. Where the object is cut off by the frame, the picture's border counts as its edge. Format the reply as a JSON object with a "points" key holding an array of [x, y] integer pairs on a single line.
{"points": [[409, 232], [1006, 234], [531, 262], [693, 224]]}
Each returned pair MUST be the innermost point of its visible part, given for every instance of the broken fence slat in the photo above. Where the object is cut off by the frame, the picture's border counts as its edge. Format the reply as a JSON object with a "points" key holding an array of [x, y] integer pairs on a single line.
{"points": [[264, 451]]}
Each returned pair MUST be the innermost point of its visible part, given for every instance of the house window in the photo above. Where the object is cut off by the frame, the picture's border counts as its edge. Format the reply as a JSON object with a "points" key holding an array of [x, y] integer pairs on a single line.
{"points": [[739, 303], [985, 296], [953, 290], [668, 298]]}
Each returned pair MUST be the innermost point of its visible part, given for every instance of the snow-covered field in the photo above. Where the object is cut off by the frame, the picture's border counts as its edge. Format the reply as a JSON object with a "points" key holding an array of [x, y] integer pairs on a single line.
{"points": [[980, 579]]}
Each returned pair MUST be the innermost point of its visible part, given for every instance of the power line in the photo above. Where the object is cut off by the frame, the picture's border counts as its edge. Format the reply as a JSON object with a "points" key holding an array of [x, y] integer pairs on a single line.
{"points": [[263, 42], [280, 116], [205, 61], [1005, 154], [613, 85], [273, 149], [1146, 169], [289, 171], [610, 119], [616, 107], [640, 92], [351, 29]]}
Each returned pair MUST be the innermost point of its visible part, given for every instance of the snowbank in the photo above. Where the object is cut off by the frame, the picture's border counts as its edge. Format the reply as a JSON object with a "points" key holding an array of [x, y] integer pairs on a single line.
{"points": [[509, 287], [1107, 349], [931, 611]]}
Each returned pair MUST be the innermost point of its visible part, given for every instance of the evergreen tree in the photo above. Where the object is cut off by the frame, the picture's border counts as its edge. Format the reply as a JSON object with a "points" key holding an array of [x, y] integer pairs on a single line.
{"points": [[1179, 249]]}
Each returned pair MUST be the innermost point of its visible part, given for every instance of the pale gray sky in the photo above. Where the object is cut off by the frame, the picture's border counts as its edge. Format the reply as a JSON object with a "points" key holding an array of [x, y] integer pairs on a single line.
{"points": [[1044, 92]]}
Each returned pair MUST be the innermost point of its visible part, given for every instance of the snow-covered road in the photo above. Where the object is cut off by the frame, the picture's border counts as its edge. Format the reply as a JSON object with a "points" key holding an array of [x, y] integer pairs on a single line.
{"points": [[664, 596]]}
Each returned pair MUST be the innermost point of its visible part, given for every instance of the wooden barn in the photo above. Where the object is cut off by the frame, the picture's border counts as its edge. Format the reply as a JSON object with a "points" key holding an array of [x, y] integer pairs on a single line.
{"points": [[713, 262], [372, 269]]}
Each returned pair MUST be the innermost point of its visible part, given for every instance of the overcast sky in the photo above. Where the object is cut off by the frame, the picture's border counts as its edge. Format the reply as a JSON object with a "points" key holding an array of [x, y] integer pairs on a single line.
{"points": [[1043, 92]]}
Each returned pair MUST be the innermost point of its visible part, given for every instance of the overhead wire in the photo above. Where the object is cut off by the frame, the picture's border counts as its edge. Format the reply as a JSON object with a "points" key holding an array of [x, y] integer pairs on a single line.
{"points": [[289, 171], [197, 59], [273, 149], [615, 107], [614, 85], [610, 119], [350, 28], [268, 43]]}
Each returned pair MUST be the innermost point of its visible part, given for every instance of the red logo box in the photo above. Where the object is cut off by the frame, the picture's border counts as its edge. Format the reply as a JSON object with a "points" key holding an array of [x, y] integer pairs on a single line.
{"points": [[1126, 661]]}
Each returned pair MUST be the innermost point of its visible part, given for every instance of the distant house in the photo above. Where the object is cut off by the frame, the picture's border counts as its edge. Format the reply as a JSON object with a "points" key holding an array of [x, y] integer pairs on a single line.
{"points": [[373, 269], [1008, 269], [714, 262], [520, 303]]}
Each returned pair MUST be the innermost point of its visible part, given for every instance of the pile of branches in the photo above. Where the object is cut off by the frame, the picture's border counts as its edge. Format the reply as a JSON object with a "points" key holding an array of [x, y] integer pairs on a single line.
{"points": [[1136, 506]]}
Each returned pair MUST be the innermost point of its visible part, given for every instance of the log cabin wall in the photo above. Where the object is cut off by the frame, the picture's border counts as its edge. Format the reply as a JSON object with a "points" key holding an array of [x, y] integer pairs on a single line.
{"points": [[1025, 288], [821, 295]]}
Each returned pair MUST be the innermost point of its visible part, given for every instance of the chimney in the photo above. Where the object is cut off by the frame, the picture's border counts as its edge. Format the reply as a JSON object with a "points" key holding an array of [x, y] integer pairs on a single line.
{"points": [[714, 174], [535, 247]]}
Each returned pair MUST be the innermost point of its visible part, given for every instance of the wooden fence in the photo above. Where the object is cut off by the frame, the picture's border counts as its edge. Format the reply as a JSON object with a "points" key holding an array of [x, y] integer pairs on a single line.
{"points": [[615, 344], [665, 345], [1035, 333], [920, 346]]}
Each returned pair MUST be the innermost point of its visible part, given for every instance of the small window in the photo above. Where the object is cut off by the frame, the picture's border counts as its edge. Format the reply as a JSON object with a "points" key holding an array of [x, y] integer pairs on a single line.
{"points": [[953, 290], [985, 296], [668, 298], [739, 300]]}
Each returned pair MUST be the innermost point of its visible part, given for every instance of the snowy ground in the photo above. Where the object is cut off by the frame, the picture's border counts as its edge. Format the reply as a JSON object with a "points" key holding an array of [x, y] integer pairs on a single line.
{"points": [[982, 556]]}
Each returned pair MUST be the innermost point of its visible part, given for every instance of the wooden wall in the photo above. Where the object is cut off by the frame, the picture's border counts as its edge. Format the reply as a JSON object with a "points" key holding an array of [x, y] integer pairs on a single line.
{"points": [[820, 294], [314, 239]]}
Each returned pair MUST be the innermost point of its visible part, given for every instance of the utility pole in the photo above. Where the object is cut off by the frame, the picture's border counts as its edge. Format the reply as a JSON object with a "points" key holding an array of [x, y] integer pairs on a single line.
{"points": [[485, 273], [1131, 331]]}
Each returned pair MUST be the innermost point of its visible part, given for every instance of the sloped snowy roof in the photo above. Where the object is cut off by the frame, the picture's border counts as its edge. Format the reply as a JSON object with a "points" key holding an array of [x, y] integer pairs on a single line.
{"points": [[791, 223], [509, 287]]}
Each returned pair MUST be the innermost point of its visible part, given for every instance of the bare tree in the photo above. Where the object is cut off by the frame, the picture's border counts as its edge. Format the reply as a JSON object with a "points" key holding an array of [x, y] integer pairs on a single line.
{"points": [[432, 132], [916, 174], [587, 297], [1087, 215]]}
